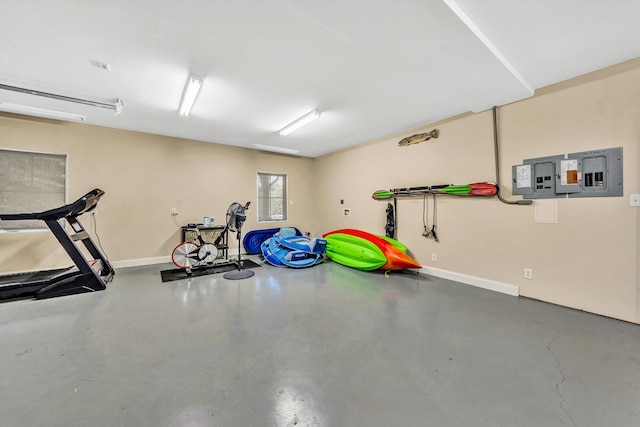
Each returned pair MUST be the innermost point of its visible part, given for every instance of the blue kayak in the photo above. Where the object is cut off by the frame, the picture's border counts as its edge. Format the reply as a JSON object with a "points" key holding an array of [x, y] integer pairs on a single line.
{"points": [[253, 239], [287, 249]]}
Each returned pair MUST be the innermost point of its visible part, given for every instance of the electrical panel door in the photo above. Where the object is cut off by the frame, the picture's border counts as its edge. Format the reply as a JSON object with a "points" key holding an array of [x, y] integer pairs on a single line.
{"points": [[543, 177], [601, 173], [568, 176]]}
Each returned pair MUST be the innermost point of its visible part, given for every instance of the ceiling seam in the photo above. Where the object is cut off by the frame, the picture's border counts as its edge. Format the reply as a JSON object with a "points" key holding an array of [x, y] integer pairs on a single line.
{"points": [[455, 8]]}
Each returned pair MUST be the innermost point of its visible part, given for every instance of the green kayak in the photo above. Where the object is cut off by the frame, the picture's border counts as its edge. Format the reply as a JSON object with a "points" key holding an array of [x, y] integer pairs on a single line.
{"points": [[395, 243], [354, 252]]}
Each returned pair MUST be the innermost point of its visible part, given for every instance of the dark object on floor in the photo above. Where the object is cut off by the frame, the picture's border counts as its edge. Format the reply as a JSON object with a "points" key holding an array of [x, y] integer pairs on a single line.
{"points": [[179, 273]]}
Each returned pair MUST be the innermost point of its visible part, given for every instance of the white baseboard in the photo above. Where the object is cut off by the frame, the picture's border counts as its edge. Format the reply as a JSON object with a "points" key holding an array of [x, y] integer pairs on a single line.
{"points": [[479, 282], [140, 262]]}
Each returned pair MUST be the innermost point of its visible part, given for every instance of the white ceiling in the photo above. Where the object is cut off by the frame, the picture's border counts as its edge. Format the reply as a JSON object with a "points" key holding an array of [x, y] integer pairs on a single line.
{"points": [[372, 67]]}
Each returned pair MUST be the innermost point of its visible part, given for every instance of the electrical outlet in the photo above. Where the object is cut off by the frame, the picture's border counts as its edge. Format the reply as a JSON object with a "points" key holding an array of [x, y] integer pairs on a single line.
{"points": [[347, 212], [174, 211], [634, 199], [528, 273], [434, 257]]}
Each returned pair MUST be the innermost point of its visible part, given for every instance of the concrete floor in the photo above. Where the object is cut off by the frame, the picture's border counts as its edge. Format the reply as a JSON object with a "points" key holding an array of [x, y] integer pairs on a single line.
{"points": [[325, 346]]}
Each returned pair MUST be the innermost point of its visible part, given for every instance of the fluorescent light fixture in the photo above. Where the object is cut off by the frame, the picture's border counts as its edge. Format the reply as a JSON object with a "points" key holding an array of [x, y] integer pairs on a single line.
{"points": [[307, 118], [276, 149], [119, 106], [191, 89], [116, 105], [41, 112]]}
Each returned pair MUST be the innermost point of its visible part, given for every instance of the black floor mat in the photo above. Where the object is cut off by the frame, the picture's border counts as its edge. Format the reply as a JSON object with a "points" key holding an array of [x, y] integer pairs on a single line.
{"points": [[179, 273]]}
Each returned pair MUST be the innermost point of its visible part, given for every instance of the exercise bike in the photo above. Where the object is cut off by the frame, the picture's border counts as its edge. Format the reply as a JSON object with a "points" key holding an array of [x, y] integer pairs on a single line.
{"points": [[200, 254], [189, 255]]}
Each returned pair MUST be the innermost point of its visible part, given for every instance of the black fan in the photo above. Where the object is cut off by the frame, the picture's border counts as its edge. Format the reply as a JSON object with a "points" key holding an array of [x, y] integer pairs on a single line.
{"points": [[235, 219]]}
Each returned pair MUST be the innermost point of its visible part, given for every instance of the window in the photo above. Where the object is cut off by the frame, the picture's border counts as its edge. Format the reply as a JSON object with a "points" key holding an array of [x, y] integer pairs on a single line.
{"points": [[272, 197], [30, 182]]}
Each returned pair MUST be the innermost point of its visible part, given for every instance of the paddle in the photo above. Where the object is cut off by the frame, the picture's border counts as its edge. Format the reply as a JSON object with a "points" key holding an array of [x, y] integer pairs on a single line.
{"points": [[382, 195], [387, 194], [454, 189], [475, 189], [483, 189]]}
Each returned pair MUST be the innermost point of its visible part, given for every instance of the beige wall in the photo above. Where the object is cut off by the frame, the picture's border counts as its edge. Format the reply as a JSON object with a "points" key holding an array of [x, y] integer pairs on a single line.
{"points": [[144, 176], [588, 260]]}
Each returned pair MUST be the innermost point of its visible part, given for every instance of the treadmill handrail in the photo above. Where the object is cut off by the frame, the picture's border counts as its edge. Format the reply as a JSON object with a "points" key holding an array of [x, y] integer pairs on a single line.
{"points": [[84, 204]]}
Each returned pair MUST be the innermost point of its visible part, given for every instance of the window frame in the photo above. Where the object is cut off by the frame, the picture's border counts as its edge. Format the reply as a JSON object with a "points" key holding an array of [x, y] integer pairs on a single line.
{"points": [[260, 197], [39, 226]]}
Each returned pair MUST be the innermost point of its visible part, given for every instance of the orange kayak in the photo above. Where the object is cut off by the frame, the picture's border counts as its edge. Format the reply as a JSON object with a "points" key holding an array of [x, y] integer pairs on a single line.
{"points": [[397, 259]]}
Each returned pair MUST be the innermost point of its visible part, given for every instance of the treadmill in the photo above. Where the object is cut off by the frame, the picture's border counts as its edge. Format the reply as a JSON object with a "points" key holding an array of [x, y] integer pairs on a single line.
{"points": [[88, 275]]}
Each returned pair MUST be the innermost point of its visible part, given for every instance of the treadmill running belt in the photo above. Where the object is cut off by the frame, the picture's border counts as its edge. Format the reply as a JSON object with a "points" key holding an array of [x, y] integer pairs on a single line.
{"points": [[30, 276]]}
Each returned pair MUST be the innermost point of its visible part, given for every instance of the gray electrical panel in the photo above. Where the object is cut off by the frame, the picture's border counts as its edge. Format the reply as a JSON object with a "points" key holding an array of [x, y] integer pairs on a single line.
{"points": [[536, 178], [595, 173], [601, 173]]}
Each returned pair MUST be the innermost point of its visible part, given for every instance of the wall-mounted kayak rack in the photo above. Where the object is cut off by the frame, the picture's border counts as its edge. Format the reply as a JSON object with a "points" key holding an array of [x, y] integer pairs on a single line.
{"points": [[482, 189], [477, 189]]}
